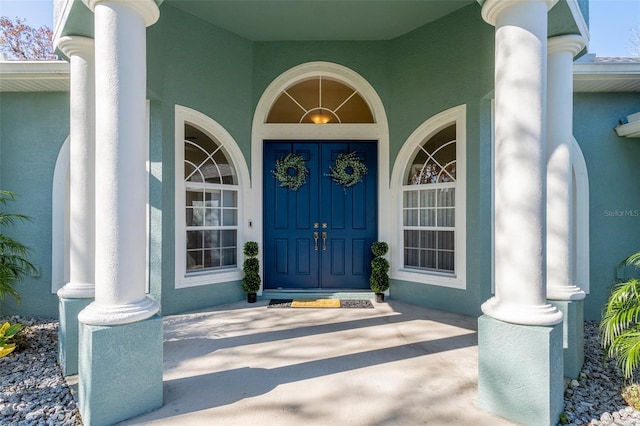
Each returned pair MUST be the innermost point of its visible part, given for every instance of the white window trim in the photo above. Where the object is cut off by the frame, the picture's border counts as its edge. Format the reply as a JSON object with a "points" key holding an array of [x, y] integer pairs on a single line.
{"points": [[219, 134], [457, 116]]}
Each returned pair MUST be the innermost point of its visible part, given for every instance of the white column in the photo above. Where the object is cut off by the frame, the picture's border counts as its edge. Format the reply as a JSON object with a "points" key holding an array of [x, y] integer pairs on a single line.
{"points": [[120, 39], [560, 229], [520, 162], [79, 50]]}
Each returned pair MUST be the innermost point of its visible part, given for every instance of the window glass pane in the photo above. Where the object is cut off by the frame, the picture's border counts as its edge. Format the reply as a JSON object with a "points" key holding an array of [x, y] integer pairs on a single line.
{"points": [[446, 260], [427, 217], [228, 238], [428, 239], [211, 258], [411, 217], [447, 217], [410, 199], [411, 238], [446, 197], [194, 240], [435, 160], [228, 257], [412, 258], [428, 198], [428, 259], [230, 199], [194, 260], [230, 217], [211, 239], [446, 240], [212, 217]]}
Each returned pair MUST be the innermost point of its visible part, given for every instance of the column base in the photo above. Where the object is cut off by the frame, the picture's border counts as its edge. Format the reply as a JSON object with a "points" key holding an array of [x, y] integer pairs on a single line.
{"points": [[520, 371], [68, 310], [120, 371], [572, 335]]}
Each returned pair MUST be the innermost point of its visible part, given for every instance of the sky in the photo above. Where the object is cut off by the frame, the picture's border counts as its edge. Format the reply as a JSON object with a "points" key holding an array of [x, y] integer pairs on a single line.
{"points": [[610, 21]]}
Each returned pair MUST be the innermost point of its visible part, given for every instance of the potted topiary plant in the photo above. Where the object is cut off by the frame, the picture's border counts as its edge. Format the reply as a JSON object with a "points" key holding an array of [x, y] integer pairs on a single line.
{"points": [[379, 279], [251, 269]]}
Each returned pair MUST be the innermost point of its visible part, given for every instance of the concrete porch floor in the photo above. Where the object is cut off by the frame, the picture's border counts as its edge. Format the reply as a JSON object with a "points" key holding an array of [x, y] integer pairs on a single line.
{"points": [[246, 364]]}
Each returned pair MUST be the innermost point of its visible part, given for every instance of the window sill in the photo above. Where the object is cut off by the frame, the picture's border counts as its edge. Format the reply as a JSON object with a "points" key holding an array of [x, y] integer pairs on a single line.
{"points": [[208, 278], [430, 278]]}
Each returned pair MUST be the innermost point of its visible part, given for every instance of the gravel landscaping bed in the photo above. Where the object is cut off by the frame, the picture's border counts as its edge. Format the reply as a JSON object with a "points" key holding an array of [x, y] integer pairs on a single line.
{"points": [[32, 388]]}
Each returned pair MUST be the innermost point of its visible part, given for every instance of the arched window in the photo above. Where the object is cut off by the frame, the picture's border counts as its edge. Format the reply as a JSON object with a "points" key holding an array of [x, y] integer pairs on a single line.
{"points": [[211, 210], [320, 100], [428, 208], [211, 181], [430, 177]]}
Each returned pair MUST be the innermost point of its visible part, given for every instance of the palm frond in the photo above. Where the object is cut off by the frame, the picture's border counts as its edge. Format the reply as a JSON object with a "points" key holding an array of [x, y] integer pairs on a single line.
{"points": [[621, 311], [633, 260]]}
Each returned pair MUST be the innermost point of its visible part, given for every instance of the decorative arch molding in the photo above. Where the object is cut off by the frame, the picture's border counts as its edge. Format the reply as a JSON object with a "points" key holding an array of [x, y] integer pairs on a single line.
{"points": [[261, 130], [230, 147], [60, 219], [457, 116], [581, 262]]}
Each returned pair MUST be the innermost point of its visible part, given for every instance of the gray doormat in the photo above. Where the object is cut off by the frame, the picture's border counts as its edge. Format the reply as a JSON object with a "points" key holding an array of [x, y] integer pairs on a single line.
{"points": [[320, 303]]}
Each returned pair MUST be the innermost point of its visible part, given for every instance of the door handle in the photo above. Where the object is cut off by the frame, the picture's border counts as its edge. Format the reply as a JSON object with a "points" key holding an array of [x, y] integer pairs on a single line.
{"points": [[324, 241], [315, 240]]}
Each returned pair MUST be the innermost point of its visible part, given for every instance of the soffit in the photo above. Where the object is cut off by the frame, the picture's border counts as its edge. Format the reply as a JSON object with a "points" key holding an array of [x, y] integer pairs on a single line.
{"points": [[606, 77], [41, 76], [267, 20]]}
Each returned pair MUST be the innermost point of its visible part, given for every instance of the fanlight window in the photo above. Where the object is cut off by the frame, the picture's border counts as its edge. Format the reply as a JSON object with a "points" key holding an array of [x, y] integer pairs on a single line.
{"points": [[319, 101], [429, 205], [211, 195]]}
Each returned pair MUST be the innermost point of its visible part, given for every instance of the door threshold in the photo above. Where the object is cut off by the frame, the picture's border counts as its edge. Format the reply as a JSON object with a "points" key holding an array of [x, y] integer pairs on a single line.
{"points": [[317, 294]]}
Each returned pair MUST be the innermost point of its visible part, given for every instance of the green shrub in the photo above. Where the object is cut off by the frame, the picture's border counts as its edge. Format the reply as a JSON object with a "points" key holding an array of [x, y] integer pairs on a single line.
{"points": [[13, 255], [379, 279], [619, 326], [251, 268]]}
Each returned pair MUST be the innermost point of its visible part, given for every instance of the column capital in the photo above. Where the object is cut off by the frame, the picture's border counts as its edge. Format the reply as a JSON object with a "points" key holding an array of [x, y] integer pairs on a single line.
{"points": [[491, 9], [148, 9], [75, 45], [572, 43]]}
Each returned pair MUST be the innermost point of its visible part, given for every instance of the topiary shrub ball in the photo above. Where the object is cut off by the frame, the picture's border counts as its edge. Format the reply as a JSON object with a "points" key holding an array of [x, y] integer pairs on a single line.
{"points": [[379, 248], [250, 249]]}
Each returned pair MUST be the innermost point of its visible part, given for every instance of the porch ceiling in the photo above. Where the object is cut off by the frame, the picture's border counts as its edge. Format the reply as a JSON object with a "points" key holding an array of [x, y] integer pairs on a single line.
{"points": [[268, 20]]}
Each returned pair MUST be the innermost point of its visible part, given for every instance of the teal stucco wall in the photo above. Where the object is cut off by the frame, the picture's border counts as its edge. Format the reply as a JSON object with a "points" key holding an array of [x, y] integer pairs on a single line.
{"points": [[446, 63], [34, 127], [614, 199]]}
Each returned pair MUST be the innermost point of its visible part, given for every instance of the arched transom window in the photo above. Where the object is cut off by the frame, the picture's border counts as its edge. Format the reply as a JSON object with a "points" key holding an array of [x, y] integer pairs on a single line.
{"points": [[320, 100], [211, 195], [429, 205]]}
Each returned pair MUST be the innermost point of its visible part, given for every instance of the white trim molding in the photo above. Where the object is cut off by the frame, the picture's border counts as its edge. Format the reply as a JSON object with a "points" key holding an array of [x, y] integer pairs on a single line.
{"points": [[581, 261], [230, 147], [60, 262], [457, 116], [261, 130]]}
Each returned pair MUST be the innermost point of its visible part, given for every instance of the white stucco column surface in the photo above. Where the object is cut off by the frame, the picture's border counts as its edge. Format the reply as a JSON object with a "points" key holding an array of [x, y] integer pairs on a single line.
{"points": [[81, 284], [520, 162], [120, 49], [560, 227]]}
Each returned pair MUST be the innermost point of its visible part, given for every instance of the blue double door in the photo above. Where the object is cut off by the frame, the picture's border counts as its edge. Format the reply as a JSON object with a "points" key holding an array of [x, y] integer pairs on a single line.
{"points": [[319, 236]]}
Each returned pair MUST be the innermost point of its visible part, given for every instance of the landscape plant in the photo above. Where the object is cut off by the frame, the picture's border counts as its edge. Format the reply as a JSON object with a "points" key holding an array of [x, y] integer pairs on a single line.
{"points": [[251, 268], [14, 266], [619, 327], [379, 279]]}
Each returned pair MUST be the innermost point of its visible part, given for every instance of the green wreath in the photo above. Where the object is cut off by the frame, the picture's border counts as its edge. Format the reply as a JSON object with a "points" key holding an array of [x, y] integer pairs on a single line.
{"points": [[291, 171], [348, 170]]}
